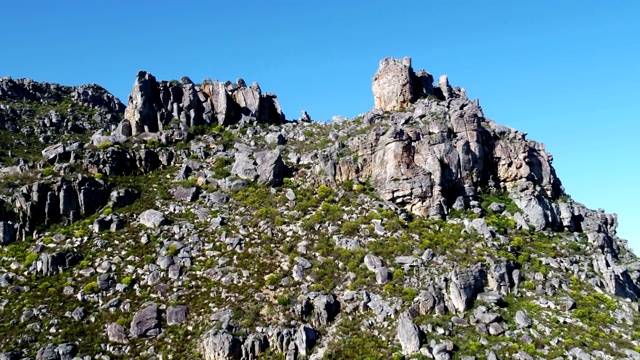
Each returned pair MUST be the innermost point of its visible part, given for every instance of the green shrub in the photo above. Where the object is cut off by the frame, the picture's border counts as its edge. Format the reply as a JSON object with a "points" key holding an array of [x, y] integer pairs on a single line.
{"points": [[172, 250], [220, 167], [47, 171], [529, 285], [199, 129], [105, 145], [273, 280], [324, 192], [153, 143], [91, 288], [408, 294], [283, 300], [350, 228], [30, 259], [128, 280]]}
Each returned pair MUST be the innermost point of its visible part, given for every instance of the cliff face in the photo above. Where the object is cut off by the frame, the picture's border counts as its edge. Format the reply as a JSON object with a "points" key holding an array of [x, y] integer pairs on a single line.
{"points": [[199, 223]]}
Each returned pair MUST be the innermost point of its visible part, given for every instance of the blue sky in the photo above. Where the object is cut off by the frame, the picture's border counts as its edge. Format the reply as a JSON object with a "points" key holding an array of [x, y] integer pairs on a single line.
{"points": [[566, 72]]}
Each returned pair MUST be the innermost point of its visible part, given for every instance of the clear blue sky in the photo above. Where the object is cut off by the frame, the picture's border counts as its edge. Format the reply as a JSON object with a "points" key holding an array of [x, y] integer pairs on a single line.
{"points": [[566, 72]]}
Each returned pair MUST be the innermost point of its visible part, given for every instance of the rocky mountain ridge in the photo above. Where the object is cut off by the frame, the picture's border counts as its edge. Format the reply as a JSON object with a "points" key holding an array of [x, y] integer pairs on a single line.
{"points": [[199, 223]]}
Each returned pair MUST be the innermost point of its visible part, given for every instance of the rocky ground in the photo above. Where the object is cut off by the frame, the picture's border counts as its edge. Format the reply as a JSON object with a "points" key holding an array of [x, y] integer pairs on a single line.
{"points": [[197, 222]]}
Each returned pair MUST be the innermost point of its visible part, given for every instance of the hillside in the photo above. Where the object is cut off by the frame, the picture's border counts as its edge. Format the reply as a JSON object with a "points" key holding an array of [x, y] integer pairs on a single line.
{"points": [[199, 222]]}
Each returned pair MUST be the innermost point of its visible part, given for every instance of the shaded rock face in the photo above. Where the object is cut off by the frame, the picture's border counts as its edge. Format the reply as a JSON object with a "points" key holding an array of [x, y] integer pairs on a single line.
{"points": [[8, 232], [51, 264], [154, 104], [63, 200], [146, 322]]}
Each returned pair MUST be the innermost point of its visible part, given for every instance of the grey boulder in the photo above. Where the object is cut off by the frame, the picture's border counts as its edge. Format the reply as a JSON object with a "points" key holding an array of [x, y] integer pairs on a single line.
{"points": [[146, 322], [152, 218], [408, 335]]}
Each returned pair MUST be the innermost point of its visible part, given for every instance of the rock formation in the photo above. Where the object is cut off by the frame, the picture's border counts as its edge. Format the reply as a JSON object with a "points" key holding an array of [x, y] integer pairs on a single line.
{"points": [[396, 86], [420, 228], [154, 105]]}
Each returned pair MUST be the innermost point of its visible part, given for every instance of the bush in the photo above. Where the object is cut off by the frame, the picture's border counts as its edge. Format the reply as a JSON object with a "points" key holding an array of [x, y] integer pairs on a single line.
{"points": [[30, 259], [153, 143], [105, 145], [172, 250], [220, 170], [283, 300], [128, 280], [408, 294], [324, 192], [199, 129], [273, 280], [47, 171], [91, 288], [529, 285], [350, 228]]}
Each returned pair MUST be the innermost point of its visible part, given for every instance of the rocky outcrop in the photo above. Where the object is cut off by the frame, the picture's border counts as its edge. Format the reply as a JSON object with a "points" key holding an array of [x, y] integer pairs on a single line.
{"points": [[465, 285], [86, 108], [265, 167], [318, 308], [155, 104], [51, 264], [334, 272], [392, 86], [293, 343], [396, 86], [435, 156], [220, 345], [48, 202]]}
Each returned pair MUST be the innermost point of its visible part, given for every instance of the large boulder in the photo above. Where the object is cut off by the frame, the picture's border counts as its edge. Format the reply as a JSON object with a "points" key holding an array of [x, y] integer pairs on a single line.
{"points": [[116, 333], [465, 284], [220, 345], [305, 339], [408, 335], [152, 218], [266, 167], [146, 322], [392, 85]]}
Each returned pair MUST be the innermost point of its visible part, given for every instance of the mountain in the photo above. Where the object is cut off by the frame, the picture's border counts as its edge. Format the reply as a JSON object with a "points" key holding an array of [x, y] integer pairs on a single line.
{"points": [[199, 222]]}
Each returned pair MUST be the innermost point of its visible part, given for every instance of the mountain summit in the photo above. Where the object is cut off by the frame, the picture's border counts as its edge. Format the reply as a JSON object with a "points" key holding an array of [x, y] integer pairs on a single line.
{"points": [[198, 222]]}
